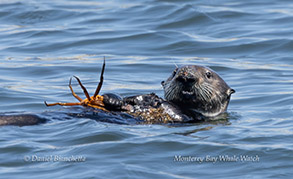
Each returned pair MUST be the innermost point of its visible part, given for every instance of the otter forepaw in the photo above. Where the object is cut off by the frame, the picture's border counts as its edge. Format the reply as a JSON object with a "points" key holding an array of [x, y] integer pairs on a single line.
{"points": [[113, 101]]}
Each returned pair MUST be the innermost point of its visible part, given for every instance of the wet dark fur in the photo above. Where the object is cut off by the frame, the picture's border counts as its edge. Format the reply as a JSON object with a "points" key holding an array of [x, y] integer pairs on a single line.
{"points": [[192, 93], [21, 120]]}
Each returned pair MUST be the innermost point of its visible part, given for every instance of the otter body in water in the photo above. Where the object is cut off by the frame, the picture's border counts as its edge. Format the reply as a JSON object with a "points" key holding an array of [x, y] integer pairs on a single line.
{"points": [[192, 93]]}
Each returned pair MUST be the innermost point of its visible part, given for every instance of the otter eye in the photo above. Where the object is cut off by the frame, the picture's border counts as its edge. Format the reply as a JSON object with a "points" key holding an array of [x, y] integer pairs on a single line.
{"points": [[208, 74]]}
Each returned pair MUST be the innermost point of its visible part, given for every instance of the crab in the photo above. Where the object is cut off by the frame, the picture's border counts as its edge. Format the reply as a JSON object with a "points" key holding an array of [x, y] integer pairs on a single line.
{"points": [[95, 101]]}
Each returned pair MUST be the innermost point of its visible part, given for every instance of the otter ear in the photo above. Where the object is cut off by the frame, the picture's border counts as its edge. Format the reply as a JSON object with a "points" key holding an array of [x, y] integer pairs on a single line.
{"points": [[231, 91]]}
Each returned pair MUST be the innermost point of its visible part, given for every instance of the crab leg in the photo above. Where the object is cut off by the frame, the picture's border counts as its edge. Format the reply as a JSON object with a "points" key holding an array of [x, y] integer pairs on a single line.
{"points": [[62, 104], [101, 80], [73, 93], [83, 88]]}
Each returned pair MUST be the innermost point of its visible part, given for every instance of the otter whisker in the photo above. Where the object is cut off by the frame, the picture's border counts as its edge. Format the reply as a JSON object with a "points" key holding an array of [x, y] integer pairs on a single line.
{"points": [[201, 93], [170, 90], [214, 96], [209, 90]]}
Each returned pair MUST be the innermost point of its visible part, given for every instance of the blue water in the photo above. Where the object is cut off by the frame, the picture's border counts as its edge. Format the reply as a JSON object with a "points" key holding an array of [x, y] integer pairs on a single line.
{"points": [[249, 43]]}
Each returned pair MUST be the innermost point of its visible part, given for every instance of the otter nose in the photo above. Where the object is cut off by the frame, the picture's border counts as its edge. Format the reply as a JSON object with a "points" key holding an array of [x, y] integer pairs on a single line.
{"points": [[185, 79]]}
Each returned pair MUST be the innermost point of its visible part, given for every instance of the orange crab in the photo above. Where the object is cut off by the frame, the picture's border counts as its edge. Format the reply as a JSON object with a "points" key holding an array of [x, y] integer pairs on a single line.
{"points": [[96, 101]]}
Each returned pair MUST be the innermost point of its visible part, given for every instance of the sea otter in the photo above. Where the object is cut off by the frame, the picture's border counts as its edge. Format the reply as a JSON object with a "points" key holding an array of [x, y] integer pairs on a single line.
{"points": [[192, 93]]}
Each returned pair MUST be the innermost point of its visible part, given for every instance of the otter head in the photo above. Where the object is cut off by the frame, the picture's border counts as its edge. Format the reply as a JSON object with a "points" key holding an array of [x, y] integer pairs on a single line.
{"points": [[198, 89]]}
